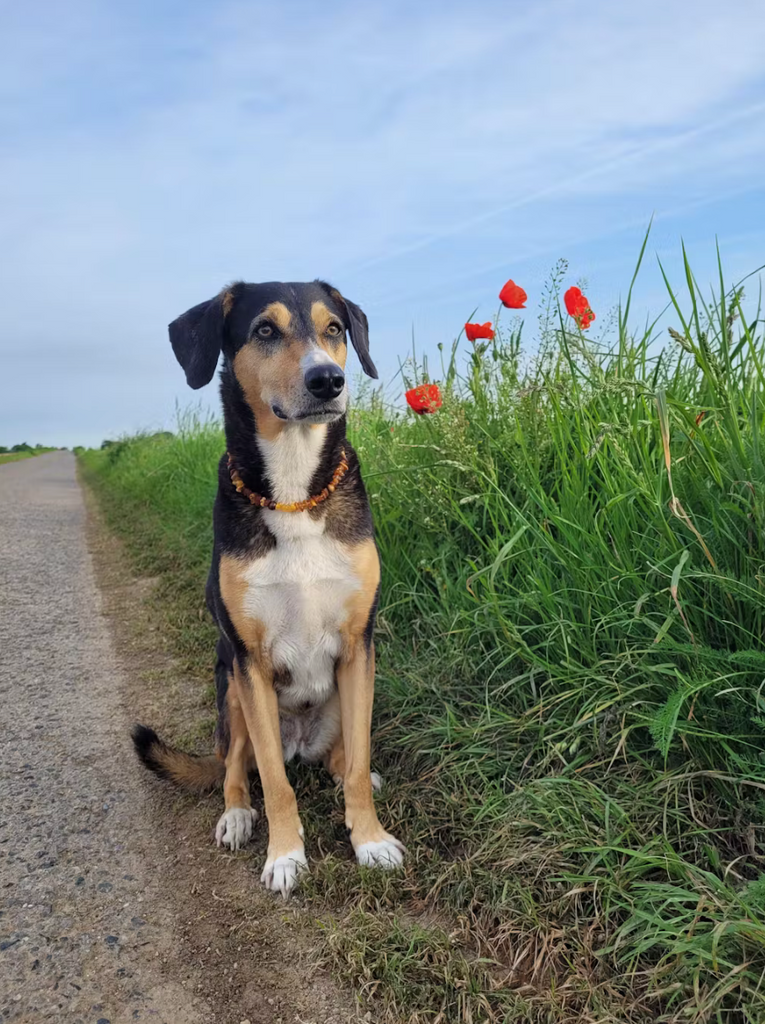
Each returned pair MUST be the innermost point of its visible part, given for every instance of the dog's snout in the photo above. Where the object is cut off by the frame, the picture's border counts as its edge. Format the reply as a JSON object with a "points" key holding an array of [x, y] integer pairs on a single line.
{"points": [[325, 381]]}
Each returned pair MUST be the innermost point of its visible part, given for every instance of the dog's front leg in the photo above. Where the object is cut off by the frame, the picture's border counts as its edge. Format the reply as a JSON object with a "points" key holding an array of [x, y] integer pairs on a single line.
{"points": [[356, 683], [286, 852]]}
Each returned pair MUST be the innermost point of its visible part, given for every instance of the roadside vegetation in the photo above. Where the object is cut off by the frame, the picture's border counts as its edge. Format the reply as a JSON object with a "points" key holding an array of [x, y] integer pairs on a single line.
{"points": [[570, 713], [21, 451]]}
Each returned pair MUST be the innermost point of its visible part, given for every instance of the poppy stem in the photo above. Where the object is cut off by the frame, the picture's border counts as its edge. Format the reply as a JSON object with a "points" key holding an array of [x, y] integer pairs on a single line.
{"points": [[496, 318]]}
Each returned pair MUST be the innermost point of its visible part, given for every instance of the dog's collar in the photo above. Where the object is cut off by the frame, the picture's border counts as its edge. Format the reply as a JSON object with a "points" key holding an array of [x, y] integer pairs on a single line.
{"points": [[292, 506]]}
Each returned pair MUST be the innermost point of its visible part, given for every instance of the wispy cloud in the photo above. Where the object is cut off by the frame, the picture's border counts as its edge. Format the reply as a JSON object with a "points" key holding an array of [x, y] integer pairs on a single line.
{"points": [[153, 151]]}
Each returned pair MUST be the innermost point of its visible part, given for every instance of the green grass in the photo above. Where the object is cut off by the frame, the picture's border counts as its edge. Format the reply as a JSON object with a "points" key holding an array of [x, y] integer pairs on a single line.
{"points": [[6, 457], [570, 708]]}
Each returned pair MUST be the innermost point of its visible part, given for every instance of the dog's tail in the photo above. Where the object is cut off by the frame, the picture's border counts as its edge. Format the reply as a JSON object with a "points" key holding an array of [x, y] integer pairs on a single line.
{"points": [[186, 770]]}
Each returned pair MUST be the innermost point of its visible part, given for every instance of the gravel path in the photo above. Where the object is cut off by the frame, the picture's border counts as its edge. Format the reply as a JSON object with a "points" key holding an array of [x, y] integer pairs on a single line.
{"points": [[85, 934]]}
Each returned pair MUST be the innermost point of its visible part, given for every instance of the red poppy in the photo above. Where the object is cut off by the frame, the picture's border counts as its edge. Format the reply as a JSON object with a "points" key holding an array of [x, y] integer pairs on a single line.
{"points": [[425, 398], [578, 307], [513, 296], [576, 303], [475, 331]]}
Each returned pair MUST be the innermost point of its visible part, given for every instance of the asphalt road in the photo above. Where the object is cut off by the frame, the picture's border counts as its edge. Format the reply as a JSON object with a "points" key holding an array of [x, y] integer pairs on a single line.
{"points": [[85, 934]]}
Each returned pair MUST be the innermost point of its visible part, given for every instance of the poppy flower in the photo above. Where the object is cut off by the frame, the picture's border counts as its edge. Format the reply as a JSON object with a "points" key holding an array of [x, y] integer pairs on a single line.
{"points": [[513, 296], [475, 331], [578, 307], [425, 398], [576, 303]]}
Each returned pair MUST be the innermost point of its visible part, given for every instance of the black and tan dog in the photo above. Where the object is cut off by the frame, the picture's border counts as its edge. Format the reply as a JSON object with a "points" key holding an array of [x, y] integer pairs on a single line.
{"points": [[295, 574]]}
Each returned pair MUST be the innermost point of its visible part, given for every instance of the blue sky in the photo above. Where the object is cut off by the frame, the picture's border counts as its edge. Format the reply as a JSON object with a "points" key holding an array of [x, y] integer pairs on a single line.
{"points": [[414, 154]]}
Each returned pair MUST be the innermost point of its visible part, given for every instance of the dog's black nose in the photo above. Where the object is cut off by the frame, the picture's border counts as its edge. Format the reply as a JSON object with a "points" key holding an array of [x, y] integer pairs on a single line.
{"points": [[325, 381]]}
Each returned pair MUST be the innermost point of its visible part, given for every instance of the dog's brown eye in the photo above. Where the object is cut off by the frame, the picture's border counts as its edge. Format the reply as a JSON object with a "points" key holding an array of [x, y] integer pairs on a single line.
{"points": [[334, 330], [265, 331]]}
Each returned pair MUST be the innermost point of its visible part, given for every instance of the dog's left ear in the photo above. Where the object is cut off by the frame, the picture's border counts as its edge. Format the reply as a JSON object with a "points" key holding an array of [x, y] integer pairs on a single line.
{"points": [[358, 328], [359, 331], [197, 338]]}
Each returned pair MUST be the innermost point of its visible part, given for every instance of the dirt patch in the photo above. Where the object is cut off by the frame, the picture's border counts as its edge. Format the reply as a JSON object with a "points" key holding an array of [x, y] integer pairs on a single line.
{"points": [[250, 953]]}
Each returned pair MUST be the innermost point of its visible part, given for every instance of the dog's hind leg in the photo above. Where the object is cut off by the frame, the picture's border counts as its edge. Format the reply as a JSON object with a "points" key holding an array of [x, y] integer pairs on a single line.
{"points": [[235, 826]]}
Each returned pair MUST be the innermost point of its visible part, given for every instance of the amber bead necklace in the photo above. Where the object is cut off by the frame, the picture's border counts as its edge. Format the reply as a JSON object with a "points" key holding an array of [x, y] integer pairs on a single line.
{"points": [[291, 506]]}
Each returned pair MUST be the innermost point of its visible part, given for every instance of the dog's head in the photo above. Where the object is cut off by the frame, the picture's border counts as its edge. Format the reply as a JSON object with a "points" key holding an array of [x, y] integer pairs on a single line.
{"points": [[284, 343]]}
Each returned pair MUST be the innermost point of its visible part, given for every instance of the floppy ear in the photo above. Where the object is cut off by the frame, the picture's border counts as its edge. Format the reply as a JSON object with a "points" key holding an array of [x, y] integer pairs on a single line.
{"points": [[359, 331], [197, 336]]}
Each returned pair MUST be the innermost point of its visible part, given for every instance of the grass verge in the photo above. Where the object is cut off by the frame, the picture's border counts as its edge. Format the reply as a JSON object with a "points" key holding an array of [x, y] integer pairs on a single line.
{"points": [[570, 711], [6, 457]]}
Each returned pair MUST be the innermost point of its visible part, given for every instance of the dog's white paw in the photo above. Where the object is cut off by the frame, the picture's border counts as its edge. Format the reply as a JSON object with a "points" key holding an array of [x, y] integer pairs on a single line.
{"points": [[281, 873], [387, 853], [234, 828]]}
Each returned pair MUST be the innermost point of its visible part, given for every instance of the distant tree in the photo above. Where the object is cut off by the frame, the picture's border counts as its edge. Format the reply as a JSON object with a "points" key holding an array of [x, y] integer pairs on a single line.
{"points": [[106, 444], [3, 449], [24, 447]]}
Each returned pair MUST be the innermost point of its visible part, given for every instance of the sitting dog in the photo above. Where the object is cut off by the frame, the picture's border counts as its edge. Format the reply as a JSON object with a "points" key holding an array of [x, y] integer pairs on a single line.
{"points": [[295, 576]]}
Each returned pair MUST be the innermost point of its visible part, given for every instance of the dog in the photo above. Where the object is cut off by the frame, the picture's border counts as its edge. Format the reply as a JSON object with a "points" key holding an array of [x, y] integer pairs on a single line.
{"points": [[295, 578]]}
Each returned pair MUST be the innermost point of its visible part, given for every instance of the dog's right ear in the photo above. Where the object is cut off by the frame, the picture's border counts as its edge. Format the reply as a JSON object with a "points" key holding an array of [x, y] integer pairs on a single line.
{"points": [[197, 337]]}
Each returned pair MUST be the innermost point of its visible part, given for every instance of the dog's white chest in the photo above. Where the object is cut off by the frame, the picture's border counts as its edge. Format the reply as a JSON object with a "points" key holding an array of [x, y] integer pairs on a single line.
{"points": [[299, 594]]}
